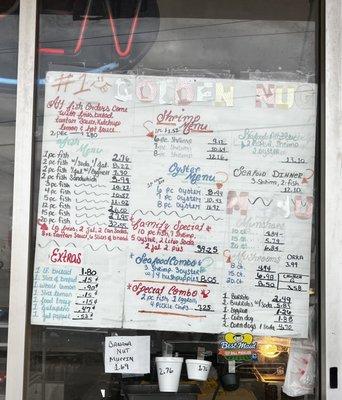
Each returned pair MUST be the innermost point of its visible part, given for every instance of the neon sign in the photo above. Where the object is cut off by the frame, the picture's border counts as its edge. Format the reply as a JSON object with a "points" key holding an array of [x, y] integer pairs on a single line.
{"points": [[117, 46], [127, 53]]}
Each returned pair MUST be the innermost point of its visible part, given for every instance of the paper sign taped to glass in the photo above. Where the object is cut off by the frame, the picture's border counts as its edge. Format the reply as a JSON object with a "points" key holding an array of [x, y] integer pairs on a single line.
{"points": [[127, 354], [179, 204]]}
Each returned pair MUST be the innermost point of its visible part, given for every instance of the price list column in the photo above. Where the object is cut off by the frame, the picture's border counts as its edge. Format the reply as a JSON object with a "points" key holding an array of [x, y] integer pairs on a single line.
{"points": [[86, 297], [121, 187]]}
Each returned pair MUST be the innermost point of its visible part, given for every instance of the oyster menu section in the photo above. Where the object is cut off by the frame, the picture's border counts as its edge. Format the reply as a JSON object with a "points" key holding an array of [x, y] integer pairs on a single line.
{"points": [[175, 204]]}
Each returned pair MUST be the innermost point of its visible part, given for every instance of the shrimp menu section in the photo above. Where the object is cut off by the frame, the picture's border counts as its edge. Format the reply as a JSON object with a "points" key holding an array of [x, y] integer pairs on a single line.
{"points": [[173, 203]]}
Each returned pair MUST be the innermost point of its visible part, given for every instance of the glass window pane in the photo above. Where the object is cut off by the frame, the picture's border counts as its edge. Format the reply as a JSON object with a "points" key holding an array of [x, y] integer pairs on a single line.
{"points": [[240, 56]]}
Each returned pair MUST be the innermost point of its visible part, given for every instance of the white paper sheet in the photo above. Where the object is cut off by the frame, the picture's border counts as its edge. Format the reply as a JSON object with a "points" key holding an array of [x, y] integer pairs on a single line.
{"points": [[192, 198], [127, 354]]}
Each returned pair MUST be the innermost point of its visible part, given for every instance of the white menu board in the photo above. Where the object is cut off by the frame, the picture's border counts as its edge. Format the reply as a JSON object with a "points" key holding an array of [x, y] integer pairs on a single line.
{"points": [[180, 204]]}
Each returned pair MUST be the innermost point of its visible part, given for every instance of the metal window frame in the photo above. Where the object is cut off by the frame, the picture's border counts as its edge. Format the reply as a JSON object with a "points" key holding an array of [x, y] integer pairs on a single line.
{"points": [[331, 204], [331, 189]]}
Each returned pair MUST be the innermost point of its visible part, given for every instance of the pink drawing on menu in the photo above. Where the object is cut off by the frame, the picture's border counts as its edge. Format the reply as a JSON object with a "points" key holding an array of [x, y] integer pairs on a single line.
{"points": [[43, 226]]}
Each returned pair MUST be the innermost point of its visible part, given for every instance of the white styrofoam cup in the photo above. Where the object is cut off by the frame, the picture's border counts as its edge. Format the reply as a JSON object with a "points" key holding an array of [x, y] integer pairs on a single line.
{"points": [[198, 370], [169, 371]]}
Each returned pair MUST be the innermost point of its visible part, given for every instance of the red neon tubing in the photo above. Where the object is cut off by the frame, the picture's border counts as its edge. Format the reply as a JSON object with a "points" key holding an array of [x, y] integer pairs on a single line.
{"points": [[117, 46], [48, 50], [80, 40], [127, 51]]}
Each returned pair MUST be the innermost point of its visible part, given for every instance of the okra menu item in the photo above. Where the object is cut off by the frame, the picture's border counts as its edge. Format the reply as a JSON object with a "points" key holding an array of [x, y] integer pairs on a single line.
{"points": [[176, 204]]}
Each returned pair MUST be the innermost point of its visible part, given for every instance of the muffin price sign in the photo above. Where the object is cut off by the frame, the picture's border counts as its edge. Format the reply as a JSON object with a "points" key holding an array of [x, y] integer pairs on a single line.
{"points": [[175, 203]]}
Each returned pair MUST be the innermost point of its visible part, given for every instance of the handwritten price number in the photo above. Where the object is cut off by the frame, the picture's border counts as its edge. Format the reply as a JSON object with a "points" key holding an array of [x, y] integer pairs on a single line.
{"points": [[291, 264], [90, 302], [166, 371], [204, 307], [218, 157], [266, 284], [283, 306], [89, 295], [217, 193], [219, 142], [119, 171], [285, 327], [91, 135], [285, 318], [272, 233], [292, 190], [282, 299], [120, 196], [120, 203], [272, 240], [268, 276], [121, 166], [92, 287], [166, 131], [292, 160], [120, 179], [264, 268], [272, 248], [213, 200], [121, 187], [121, 158], [115, 224], [203, 368], [282, 311], [121, 367], [87, 309], [86, 316], [207, 279], [89, 279], [295, 288], [88, 272], [207, 250], [213, 207]]}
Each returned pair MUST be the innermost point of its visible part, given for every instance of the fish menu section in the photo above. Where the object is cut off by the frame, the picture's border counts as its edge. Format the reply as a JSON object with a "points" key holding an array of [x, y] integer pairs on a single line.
{"points": [[173, 203]]}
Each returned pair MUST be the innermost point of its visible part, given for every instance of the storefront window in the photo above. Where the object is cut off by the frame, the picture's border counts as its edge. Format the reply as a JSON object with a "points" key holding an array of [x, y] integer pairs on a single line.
{"points": [[8, 66], [174, 200]]}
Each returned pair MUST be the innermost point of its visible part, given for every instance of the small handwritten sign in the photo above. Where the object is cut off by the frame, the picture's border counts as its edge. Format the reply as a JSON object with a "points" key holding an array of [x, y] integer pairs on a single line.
{"points": [[127, 354]]}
